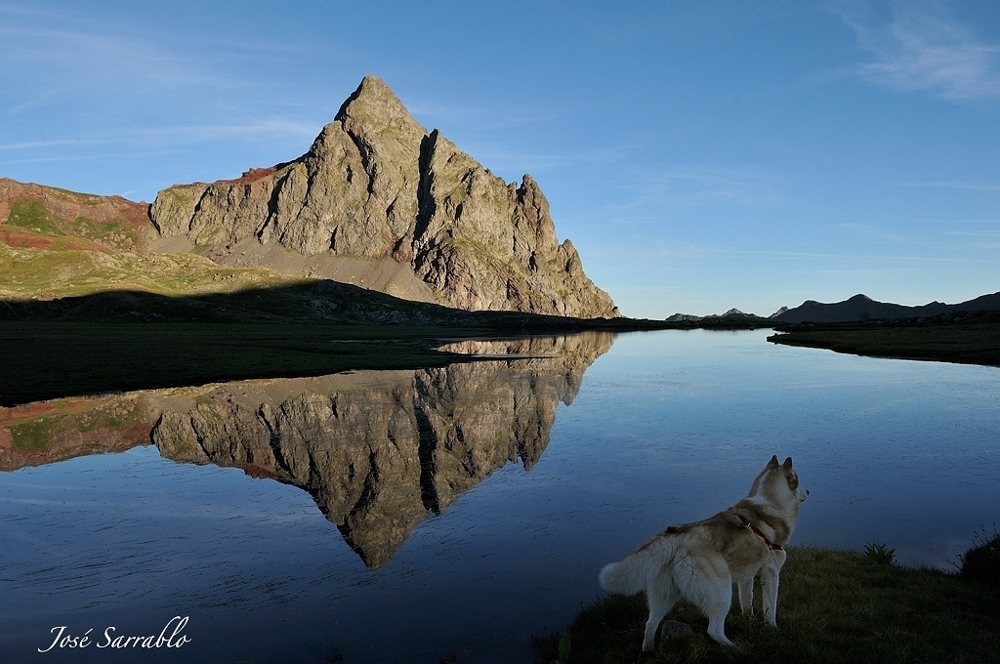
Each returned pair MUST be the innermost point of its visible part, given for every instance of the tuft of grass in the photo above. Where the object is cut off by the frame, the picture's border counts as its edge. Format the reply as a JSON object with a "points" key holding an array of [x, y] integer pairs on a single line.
{"points": [[880, 553], [834, 607], [981, 563]]}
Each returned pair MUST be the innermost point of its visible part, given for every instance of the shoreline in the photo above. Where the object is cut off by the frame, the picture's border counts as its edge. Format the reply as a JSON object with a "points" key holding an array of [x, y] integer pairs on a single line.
{"points": [[968, 339], [834, 606]]}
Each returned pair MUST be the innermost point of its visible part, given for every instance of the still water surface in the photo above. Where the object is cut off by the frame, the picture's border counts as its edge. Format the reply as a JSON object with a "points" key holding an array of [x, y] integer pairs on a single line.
{"points": [[409, 515]]}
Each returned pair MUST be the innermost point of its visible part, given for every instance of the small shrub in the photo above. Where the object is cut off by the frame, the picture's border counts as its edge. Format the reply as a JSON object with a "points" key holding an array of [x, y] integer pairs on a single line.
{"points": [[880, 553], [981, 563]]}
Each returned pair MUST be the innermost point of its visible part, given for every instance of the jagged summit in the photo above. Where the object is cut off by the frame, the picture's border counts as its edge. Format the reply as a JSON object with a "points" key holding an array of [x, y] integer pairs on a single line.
{"points": [[377, 186], [375, 101]]}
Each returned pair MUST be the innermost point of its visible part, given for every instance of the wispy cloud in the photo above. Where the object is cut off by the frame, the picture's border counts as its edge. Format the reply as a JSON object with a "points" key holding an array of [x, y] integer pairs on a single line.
{"points": [[50, 57], [274, 127], [35, 145], [441, 115], [154, 140], [925, 49], [870, 230], [969, 186], [850, 258], [693, 186]]}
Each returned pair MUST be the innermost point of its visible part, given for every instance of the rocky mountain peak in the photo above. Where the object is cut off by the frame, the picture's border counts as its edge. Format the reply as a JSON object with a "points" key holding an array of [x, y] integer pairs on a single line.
{"points": [[375, 104], [376, 186]]}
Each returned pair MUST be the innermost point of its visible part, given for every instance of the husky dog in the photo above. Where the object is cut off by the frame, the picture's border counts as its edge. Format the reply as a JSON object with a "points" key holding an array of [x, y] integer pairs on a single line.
{"points": [[700, 561]]}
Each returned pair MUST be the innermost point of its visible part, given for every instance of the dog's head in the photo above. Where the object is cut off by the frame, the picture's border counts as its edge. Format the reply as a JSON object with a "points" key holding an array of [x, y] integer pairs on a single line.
{"points": [[778, 484]]}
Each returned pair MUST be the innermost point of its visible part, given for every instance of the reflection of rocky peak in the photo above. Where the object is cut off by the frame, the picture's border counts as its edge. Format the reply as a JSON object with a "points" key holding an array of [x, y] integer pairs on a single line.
{"points": [[379, 450], [375, 185]]}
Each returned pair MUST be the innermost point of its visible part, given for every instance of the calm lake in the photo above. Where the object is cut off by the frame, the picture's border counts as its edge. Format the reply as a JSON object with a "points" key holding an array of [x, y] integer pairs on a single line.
{"points": [[411, 515]]}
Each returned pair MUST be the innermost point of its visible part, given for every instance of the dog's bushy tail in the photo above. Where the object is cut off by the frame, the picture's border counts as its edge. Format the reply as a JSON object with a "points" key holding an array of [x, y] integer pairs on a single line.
{"points": [[628, 576]]}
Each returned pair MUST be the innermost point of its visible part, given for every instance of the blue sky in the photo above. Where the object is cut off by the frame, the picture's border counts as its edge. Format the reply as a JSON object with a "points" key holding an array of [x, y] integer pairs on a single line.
{"points": [[700, 155]]}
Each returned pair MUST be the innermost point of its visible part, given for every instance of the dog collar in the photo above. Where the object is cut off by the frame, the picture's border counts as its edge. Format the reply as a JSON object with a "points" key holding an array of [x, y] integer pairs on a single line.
{"points": [[757, 531]]}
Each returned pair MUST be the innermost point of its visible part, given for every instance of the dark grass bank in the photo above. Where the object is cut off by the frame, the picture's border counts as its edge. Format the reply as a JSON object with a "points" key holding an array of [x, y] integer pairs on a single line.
{"points": [[834, 607], [48, 360], [966, 340]]}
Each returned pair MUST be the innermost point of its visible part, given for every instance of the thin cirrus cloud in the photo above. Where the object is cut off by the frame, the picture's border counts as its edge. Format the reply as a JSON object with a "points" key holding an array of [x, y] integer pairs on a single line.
{"points": [[63, 54], [969, 186], [695, 186], [923, 49], [171, 137]]}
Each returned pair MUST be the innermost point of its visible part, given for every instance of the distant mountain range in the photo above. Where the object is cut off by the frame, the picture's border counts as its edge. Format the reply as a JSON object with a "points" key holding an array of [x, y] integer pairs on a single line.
{"points": [[862, 307], [858, 308], [733, 315]]}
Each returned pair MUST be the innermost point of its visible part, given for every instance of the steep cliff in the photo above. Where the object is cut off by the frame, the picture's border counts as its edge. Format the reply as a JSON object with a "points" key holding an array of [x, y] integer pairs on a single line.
{"points": [[376, 186]]}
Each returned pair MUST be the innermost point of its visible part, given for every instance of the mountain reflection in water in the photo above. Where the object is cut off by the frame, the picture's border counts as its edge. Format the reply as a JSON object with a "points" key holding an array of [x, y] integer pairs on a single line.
{"points": [[376, 450]]}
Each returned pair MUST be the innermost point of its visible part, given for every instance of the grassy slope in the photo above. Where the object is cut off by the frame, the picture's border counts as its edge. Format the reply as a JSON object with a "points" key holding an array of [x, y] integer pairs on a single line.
{"points": [[46, 255], [834, 607], [69, 267]]}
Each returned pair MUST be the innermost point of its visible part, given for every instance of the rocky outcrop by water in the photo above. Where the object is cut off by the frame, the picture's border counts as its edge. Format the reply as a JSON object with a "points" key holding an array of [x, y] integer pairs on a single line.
{"points": [[375, 185]]}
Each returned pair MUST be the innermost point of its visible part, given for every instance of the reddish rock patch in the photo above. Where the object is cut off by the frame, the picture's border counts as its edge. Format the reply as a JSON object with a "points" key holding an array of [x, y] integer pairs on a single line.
{"points": [[70, 205], [257, 173], [14, 237]]}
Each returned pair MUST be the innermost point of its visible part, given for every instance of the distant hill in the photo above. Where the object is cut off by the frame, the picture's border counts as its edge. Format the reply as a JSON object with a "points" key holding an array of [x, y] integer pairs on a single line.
{"points": [[862, 308], [731, 316]]}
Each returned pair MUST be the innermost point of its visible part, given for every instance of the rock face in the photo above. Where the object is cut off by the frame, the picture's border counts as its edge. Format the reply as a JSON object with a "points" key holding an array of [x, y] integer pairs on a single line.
{"points": [[376, 185]]}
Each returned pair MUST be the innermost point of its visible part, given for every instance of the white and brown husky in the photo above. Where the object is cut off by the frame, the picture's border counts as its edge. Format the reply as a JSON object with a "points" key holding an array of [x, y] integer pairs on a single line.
{"points": [[700, 561]]}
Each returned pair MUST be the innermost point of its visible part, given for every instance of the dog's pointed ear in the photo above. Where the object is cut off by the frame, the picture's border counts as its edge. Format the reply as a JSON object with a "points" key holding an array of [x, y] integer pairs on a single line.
{"points": [[773, 463], [788, 464]]}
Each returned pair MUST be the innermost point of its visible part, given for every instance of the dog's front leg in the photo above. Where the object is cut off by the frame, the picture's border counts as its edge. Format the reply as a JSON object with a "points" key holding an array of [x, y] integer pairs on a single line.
{"points": [[769, 586]]}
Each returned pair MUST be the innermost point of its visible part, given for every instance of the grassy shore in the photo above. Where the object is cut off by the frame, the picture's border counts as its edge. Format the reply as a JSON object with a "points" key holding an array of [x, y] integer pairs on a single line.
{"points": [[50, 359], [834, 607], [974, 340]]}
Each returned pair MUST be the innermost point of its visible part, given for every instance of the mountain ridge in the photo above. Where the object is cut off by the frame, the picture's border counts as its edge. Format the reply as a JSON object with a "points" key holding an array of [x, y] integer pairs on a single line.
{"points": [[857, 308], [860, 307], [376, 202], [375, 185]]}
